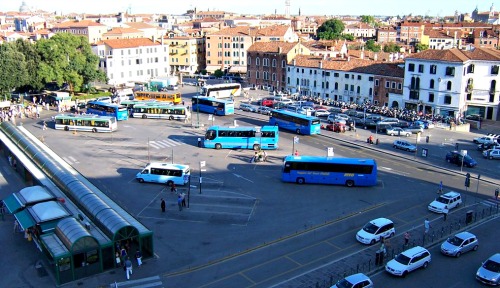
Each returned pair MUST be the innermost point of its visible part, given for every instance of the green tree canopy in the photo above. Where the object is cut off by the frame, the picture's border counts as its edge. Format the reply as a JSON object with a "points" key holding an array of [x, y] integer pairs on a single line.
{"points": [[32, 60], [421, 47], [391, 47], [14, 71], [368, 19], [331, 29], [218, 73], [372, 46]]}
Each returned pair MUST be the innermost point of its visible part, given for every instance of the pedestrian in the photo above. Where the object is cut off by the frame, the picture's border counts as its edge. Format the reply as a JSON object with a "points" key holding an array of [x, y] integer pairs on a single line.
{"points": [[427, 225], [296, 153], [16, 226], [44, 125], [445, 214], [407, 237], [183, 199], [118, 260], [173, 189], [179, 202], [162, 205], [138, 256], [123, 253], [128, 267]]}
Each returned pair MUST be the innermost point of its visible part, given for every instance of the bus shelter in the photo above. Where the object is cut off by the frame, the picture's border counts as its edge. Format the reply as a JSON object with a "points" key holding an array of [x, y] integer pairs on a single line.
{"points": [[28, 196]]}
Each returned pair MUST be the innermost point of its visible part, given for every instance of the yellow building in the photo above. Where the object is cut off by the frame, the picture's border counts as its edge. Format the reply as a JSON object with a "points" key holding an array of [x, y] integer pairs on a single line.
{"points": [[186, 54]]}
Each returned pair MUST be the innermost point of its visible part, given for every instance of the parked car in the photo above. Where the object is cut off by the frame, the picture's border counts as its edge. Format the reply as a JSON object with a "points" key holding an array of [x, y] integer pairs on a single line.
{"points": [[398, 131], [321, 113], [415, 129], [374, 230], [461, 243], [358, 280], [332, 118], [382, 128], [445, 202], [456, 158], [248, 107], [409, 260], [404, 145], [489, 272], [264, 110], [484, 139], [475, 117], [488, 146], [491, 154], [336, 127]]}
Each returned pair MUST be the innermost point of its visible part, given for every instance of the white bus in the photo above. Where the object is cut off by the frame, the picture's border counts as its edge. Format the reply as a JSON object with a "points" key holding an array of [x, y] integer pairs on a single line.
{"points": [[164, 173], [86, 122], [160, 111], [225, 90]]}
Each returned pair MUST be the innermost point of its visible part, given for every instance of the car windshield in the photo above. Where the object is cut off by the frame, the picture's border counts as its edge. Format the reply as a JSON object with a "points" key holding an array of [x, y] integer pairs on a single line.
{"points": [[455, 241], [370, 228], [344, 284], [492, 266], [402, 259], [443, 200]]}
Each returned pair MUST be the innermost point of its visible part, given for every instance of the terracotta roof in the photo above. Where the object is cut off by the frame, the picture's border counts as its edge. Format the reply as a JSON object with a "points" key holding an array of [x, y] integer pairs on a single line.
{"points": [[272, 47], [275, 30], [121, 30], [438, 33], [456, 55], [236, 31], [139, 25], [130, 43], [338, 64], [383, 69], [78, 24]]}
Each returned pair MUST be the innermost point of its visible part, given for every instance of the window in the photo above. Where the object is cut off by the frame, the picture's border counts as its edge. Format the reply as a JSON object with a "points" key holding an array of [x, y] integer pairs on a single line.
{"points": [[393, 85], [431, 84], [470, 69], [257, 74], [376, 82], [447, 99], [387, 83], [420, 68], [335, 74], [274, 63], [283, 63], [450, 71], [257, 61], [336, 86], [431, 97], [433, 69], [370, 79], [346, 76], [448, 85], [249, 60], [494, 70], [411, 67]]}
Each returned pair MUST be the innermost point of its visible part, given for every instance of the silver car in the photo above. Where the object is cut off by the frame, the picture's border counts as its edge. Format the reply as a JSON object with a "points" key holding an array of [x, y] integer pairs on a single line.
{"points": [[489, 272], [459, 244], [359, 280]]}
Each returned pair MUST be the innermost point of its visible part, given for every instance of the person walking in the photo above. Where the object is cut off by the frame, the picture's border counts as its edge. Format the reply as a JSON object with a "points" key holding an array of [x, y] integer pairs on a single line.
{"points": [[118, 260], [407, 238], [173, 189], [296, 153], [162, 205], [445, 214], [138, 257], [44, 125], [128, 267], [179, 202], [183, 199], [427, 225]]}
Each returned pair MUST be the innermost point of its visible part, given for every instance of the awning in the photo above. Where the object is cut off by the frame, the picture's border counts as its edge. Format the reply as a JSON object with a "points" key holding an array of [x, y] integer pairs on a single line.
{"points": [[238, 69], [25, 220], [212, 68], [12, 204]]}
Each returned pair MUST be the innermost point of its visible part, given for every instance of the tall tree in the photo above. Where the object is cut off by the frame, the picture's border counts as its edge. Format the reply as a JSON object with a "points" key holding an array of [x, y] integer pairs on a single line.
{"points": [[368, 19], [32, 59], [372, 46], [13, 73], [331, 29], [421, 47], [67, 58], [392, 47]]}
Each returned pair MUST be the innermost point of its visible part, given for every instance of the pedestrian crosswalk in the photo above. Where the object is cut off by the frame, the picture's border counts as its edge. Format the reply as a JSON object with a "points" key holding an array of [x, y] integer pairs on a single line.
{"points": [[165, 143], [153, 281], [491, 202]]}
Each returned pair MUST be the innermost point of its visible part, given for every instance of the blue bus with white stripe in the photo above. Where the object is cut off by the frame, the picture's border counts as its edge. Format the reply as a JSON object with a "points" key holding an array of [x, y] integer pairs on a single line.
{"points": [[212, 105], [241, 137], [329, 170], [299, 123]]}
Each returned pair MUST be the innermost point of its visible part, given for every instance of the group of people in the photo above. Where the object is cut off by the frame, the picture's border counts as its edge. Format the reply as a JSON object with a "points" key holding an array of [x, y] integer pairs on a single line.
{"points": [[123, 259], [259, 156], [181, 199]]}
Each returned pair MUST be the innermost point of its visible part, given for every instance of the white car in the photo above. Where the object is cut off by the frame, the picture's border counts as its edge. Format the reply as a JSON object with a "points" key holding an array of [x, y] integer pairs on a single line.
{"points": [[445, 202], [484, 139], [374, 230], [409, 260], [321, 113], [358, 280], [398, 131]]}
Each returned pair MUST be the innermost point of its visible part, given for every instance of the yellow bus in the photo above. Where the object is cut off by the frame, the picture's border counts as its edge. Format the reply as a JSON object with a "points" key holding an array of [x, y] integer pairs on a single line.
{"points": [[158, 96]]}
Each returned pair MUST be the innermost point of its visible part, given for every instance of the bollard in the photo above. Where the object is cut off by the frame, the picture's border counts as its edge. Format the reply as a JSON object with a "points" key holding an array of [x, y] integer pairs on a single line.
{"points": [[427, 138], [376, 142], [199, 142]]}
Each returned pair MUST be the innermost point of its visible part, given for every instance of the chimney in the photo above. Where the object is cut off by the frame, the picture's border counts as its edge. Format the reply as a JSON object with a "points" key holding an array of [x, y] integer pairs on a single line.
{"points": [[375, 57], [280, 50], [362, 56], [447, 32], [348, 58], [320, 64], [294, 62]]}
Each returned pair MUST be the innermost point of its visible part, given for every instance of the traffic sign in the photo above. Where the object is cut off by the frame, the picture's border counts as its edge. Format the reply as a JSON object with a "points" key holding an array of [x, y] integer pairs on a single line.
{"points": [[295, 139]]}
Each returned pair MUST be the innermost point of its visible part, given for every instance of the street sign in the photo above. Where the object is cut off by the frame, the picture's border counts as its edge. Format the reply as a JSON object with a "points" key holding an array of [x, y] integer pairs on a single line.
{"points": [[203, 163], [295, 139], [330, 152], [210, 117]]}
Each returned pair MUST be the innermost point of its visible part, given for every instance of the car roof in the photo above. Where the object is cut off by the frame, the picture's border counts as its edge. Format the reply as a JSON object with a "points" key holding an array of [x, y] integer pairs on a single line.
{"points": [[465, 235], [380, 221], [355, 278], [412, 251], [451, 194], [495, 257]]}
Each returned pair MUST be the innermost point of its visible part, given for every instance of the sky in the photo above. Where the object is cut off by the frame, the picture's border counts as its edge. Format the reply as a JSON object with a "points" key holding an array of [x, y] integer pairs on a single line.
{"points": [[307, 7]]}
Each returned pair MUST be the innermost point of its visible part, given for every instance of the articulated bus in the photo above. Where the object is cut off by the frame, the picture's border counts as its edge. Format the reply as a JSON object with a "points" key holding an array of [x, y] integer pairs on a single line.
{"points": [[212, 106], [300, 123], [107, 109], [158, 96], [85, 122], [329, 170], [160, 111], [164, 173], [255, 138], [225, 90]]}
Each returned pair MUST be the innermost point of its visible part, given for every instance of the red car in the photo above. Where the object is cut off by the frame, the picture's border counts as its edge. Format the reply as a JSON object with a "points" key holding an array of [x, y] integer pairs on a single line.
{"points": [[335, 127]]}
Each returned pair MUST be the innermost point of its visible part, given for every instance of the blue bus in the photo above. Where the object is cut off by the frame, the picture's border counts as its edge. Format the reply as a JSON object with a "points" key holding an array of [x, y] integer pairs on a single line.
{"points": [[329, 170], [120, 112], [212, 105], [300, 123], [255, 138]]}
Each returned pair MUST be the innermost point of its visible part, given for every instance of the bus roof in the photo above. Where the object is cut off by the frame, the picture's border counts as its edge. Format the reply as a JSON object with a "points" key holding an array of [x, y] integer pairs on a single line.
{"points": [[324, 159], [213, 99], [159, 105], [104, 104], [286, 112], [83, 116], [244, 128], [167, 166]]}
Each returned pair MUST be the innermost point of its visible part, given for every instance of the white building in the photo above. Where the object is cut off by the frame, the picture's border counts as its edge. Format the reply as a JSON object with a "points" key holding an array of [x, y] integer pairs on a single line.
{"points": [[132, 60], [453, 82]]}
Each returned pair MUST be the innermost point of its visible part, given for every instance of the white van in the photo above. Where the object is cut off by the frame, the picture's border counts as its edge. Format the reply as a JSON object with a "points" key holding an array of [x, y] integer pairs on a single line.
{"points": [[164, 173]]}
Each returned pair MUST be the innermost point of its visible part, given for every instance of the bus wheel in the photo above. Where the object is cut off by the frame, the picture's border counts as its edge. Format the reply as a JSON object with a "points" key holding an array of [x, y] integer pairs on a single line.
{"points": [[218, 146], [171, 118], [256, 147], [66, 128], [94, 130], [170, 183], [140, 180], [298, 131], [144, 116], [349, 183], [300, 180]]}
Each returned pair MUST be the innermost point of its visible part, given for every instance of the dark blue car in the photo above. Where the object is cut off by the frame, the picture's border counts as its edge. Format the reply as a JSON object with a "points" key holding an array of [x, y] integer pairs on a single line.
{"points": [[456, 158]]}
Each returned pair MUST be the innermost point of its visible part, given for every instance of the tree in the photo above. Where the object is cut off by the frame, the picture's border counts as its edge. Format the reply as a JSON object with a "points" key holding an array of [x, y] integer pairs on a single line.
{"points": [[372, 46], [67, 58], [421, 47], [368, 19], [13, 73], [331, 29], [348, 37], [218, 73], [391, 47], [32, 60]]}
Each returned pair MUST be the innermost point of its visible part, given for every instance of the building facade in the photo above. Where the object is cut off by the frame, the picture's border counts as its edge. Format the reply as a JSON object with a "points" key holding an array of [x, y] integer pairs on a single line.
{"points": [[186, 54], [93, 31]]}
